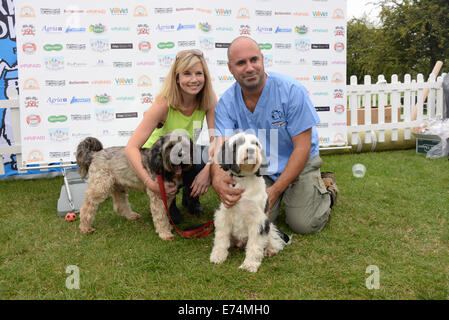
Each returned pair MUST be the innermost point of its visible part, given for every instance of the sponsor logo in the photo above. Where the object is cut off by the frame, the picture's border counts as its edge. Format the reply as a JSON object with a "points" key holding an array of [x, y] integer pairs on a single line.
{"points": [[337, 77], [165, 28], [222, 45], [118, 11], [302, 45], [226, 78], [59, 154], [48, 11], [163, 10], [79, 100], [99, 45], [339, 46], [339, 31], [30, 66], [301, 29], [145, 63], [302, 79], [28, 30], [223, 12], [125, 98], [97, 28], [338, 94], [72, 11], [75, 46], [124, 81], [268, 60], [320, 46], [184, 9], [120, 29], [27, 12], [58, 134], [144, 81], [53, 29], [319, 63], [126, 115], [322, 125], [322, 108], [122, 133], [282, 13], [283, 30], [320, 14], [243, 13], [339, 138], [339, 108], [53, 47], [31, 84], [320, 30], [264, 30], [57, 101], [33, 120], [263, 13], [320, 78], [34, 138], [76, 64], [54, 83], [146, 98], [204, 26], [190, 43], [102, 98], [206, 43], [121, 45], [78, 82], [338, 14], [227, 29], [144, 46], [104, 114], [122, 64], [101, 82], [245, 30], [29, 48], [96, 11], [265, 46], [140, 11], [54, 63], [282, 45], [204, 10], [321, 94], [69, 30], [35, 156], [185, 27], [165, 45], [166, 60], [301, 14], [80, 117], [31, 102], [143, 29], [59, 118]]}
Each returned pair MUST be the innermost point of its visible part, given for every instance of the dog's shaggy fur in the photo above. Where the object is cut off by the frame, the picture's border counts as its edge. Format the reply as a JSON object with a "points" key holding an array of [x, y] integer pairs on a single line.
{"points": [[111, 174], [246, 222]]}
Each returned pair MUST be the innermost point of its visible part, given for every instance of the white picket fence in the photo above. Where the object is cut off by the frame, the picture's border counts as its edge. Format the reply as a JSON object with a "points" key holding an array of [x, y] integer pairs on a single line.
{"points": [[396, 98]]}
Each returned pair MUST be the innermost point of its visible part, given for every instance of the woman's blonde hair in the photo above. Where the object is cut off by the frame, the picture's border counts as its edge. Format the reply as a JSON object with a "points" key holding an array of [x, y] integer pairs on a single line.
{"points": [[171, 90]]}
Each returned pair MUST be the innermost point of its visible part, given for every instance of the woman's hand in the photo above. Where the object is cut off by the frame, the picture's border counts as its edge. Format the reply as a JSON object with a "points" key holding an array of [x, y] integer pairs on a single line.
{"points": [[170, 187], [201, 183]]}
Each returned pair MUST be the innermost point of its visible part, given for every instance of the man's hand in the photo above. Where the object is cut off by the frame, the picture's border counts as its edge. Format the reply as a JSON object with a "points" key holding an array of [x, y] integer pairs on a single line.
{"points": [[221, 182], [273, 195]]}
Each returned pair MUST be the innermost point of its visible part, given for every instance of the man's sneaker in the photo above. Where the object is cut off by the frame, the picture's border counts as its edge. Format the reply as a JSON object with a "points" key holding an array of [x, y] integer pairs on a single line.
{"points": [[331, 186]]}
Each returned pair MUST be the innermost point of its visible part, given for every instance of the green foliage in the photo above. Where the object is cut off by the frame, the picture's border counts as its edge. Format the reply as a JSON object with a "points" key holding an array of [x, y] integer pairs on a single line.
{"points": [[412, 36]]}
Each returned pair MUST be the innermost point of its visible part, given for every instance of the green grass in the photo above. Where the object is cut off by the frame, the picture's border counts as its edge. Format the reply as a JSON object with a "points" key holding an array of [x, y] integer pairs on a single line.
{"points": [[395, 218]]}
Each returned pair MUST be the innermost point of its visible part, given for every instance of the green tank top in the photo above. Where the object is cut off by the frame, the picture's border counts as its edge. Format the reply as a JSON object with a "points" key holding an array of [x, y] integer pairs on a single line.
{"points": [[175, 121]]}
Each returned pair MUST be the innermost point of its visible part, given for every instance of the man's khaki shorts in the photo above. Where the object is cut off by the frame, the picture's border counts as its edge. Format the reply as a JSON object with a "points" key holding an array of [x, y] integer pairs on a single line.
{"points": [[306, 200]]}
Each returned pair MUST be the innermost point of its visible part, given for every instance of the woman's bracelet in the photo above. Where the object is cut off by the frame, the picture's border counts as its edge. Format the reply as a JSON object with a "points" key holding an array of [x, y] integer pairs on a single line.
{"points": [[146, 180]]}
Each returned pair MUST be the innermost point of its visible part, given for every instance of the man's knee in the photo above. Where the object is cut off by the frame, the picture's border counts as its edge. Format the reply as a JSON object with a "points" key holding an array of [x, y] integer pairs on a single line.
{"points": [[305, 224]]}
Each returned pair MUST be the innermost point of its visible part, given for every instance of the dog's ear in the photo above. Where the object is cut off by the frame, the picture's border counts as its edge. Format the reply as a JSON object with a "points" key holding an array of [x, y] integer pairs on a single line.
{"points": [[264, 164], [155, 156], [223, 156]]}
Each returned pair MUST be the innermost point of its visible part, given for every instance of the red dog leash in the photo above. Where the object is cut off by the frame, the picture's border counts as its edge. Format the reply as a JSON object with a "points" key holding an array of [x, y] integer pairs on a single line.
{"points": [[199, 231]]}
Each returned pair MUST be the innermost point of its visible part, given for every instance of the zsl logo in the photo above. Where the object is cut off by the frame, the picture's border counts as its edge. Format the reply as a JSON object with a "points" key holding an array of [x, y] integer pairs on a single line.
{"points": [[53, 47], [165, 45]]}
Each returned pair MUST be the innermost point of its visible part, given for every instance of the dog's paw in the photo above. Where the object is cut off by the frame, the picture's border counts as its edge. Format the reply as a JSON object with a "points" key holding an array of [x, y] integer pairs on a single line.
{"points": [[87, 230], [217, 258], [250, 267], [269, 253], [166, 236], [133, 216]]}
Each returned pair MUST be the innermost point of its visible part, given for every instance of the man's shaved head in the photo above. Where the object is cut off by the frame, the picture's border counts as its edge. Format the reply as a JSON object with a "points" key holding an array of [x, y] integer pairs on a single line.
{"points": [[238, 40]]}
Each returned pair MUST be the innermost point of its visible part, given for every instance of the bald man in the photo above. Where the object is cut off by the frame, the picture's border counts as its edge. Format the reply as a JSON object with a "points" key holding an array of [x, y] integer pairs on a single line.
{"points": [[279, 111]]}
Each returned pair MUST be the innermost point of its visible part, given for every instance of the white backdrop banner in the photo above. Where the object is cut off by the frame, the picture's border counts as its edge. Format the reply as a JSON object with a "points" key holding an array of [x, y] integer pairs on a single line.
{"points": [[92, 68]]}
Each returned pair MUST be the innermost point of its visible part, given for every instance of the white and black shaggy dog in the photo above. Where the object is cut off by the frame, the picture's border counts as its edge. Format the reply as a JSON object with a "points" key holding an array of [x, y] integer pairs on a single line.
{"points": [[246, 221], [111, 174]]}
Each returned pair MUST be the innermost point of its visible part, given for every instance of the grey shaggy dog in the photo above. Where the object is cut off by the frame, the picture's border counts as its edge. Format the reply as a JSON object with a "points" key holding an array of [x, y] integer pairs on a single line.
{"points": [[111, 175]]}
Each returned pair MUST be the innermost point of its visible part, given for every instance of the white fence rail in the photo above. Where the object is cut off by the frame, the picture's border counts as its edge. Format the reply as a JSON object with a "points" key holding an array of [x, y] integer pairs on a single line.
{"points": [[390, 106]]}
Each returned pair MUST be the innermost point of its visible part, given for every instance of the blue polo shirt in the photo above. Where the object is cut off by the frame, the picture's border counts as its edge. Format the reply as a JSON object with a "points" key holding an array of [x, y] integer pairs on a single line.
{"points": [[283, 111]]}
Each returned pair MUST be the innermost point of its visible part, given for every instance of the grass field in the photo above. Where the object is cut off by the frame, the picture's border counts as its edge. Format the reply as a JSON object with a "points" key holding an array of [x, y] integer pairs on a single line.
{"points": [[395, 218]]}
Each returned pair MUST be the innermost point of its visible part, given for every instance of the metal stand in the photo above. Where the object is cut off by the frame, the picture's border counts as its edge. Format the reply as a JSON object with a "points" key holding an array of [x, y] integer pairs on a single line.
{"points": [[72, 192]]}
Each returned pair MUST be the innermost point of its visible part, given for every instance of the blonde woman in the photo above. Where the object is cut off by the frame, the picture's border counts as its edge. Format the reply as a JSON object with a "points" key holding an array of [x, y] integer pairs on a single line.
{"points": [[185, 98]]}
